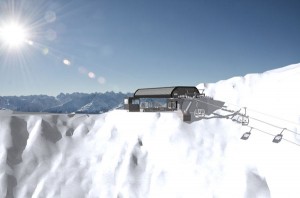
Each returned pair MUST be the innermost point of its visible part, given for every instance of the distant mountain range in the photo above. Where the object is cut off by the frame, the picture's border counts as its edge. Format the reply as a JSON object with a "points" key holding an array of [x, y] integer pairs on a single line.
{"points": [[64, 103]]}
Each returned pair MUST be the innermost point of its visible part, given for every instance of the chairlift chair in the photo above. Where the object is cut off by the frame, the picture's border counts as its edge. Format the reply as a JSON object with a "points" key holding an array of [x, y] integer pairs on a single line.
{"points": [[278, 137], [246, 135], [198, 113], [245, 120]]}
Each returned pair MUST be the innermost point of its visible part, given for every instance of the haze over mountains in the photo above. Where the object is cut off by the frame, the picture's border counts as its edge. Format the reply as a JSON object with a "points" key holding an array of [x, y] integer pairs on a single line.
{"points": [[64, 103]]}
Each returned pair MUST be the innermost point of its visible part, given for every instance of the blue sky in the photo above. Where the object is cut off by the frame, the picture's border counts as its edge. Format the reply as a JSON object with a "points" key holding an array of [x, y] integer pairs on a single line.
{"points": [[128, 44]]}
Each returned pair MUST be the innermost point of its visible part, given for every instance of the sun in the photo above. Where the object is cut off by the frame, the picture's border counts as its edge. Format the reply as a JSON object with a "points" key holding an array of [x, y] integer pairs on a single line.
{"points": [[13, 34]]}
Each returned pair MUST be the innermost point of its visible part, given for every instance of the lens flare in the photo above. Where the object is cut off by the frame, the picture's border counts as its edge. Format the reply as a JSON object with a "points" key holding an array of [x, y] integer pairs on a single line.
{"points": [[51, 35], [45, 51], [101, 80], [29, 42], [67, 62], [82, 70], [50, 16], [91, 75], [13, 34]]}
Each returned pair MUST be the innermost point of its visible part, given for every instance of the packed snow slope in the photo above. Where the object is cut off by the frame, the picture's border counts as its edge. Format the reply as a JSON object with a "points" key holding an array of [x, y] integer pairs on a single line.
{"points": [[121, 154]]}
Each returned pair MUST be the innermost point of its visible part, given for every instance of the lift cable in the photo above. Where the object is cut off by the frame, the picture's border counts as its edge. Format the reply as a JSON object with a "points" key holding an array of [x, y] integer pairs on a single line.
{"points": [[250, 117], [266, 114], [265, 132], [273, 125]]}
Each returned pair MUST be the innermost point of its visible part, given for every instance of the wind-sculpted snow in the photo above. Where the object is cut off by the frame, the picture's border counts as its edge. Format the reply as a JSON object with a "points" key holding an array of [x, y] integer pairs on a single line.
{"points": [[122, 154], [126, 154]]}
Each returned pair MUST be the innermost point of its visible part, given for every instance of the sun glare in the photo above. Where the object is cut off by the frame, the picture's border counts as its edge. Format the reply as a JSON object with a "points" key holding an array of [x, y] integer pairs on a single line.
{"points": [[13, 34]]}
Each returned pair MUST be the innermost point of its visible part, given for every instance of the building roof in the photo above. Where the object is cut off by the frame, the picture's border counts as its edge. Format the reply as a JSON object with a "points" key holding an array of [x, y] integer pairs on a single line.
{"points": [[164, 92]]}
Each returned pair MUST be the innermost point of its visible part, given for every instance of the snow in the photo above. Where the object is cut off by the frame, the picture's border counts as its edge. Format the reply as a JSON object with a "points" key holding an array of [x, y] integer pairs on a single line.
{"points": [[126, 154]]}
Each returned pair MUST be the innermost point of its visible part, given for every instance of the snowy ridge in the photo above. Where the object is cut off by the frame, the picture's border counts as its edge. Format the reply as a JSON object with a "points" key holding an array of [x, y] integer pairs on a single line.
{"points": [[64, 103], [86, 107], [121, 154], [274, 92]]}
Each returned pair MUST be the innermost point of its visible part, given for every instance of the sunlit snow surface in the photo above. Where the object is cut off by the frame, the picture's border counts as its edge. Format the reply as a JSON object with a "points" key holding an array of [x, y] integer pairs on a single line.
{"points": [[121, 154]]}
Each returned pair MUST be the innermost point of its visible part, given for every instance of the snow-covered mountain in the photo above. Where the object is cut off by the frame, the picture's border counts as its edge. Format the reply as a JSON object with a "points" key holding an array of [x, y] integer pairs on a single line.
{"points": [[132, 154], [64, 103]]}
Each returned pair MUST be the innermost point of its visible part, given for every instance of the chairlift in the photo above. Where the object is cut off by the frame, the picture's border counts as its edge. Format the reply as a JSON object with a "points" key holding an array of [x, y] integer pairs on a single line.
{"points": [[246, 135], [201, 91], [278, 137], [199, 113], [243, 118]]}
